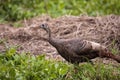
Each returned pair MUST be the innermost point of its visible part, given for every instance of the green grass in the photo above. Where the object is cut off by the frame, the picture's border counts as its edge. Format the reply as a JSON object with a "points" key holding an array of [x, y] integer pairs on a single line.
{"points": [[24, 66], [14, 10]]}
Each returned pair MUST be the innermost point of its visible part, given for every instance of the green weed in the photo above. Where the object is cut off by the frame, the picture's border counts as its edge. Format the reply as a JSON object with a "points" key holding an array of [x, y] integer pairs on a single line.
{"points": [[25, 66]]}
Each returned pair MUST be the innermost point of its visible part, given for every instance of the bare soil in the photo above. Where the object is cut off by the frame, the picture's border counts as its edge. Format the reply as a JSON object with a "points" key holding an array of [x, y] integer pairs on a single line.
{"points": [[102, 29]]}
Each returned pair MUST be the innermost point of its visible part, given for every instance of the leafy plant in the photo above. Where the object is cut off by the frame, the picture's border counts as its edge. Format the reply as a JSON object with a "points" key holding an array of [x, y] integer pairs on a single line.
{"points": [[14, 10], [24, 66]]}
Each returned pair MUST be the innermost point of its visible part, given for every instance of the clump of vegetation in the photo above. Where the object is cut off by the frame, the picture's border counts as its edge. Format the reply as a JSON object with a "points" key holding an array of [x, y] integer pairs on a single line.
{"points": [[29, 67], [13, 10], [24, 66]]}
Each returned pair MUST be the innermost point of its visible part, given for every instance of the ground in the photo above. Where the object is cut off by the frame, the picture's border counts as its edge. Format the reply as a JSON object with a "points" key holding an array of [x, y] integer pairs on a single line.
{"points": [[102, 29]]}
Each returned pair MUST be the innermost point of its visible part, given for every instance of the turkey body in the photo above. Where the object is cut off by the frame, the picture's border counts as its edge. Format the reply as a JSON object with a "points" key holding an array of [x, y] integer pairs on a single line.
{"points": [[77, 50]]}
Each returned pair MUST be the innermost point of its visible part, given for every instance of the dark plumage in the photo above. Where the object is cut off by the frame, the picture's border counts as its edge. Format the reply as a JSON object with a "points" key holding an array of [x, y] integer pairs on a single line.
{"points": [[78, 50]]}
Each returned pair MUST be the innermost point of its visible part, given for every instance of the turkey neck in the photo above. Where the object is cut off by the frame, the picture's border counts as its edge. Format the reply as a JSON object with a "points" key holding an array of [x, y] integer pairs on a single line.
{"points": [[49, 33], [52, 41]]}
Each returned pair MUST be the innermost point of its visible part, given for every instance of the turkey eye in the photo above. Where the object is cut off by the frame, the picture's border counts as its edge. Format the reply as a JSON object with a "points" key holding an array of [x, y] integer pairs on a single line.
{"points": [[42, 25]]}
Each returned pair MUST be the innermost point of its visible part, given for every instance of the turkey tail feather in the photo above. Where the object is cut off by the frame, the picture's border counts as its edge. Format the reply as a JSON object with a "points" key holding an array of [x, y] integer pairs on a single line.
{"points": [[115, 57]]}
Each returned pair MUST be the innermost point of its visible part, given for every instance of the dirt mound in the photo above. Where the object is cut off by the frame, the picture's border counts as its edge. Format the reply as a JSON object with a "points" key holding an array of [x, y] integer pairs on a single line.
{"points": [[104, 30]]}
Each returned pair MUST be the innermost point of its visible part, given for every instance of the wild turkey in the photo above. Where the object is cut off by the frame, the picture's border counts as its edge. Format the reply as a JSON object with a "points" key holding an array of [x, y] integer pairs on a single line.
{"points": [[78, 50]]}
